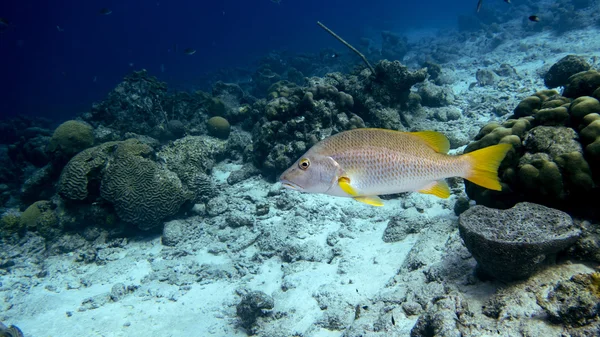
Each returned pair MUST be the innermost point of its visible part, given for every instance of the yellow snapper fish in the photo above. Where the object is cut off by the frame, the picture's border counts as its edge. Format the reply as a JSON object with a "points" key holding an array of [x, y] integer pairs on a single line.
{"points": [[365, 163]]}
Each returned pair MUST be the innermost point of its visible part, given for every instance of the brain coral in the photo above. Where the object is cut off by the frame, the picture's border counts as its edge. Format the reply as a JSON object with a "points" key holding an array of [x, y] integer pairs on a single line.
{"points": [[124, 174], [192, 158], [141, 192], [81, 169], [71, 137], [553, 161]]}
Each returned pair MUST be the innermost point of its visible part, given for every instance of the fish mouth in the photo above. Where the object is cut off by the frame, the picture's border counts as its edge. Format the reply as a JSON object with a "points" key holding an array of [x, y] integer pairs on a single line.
{"points": [[290, 185]]}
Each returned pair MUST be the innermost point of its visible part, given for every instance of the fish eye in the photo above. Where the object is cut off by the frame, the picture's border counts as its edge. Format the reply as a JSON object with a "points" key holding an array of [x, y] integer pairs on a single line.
{"points": [[304, 164]]}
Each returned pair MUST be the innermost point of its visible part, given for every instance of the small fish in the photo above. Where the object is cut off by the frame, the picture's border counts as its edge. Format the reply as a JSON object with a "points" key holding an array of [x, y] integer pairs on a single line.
{"points": [[365, 163], [479, 3], [131, 64], [189, 51], [334, 55], [276, 2], [59, 28], [507, 1], [105, 11], [534, 18], [95, 79], [162, 68]]}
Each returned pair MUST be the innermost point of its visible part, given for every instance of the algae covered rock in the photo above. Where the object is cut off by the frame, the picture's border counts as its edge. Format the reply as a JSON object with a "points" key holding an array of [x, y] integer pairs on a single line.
{"points": [[574, 302], [515, 243], [71, 137], [558, 75]]}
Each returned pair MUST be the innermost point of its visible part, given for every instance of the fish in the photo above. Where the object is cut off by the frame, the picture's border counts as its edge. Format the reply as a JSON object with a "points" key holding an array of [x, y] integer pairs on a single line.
{"points": [[334, 55], [479, 3], [189, 51], [105, 11], [507, 1], [368, 162], [59, 28], [11, 331], [534, 18]]}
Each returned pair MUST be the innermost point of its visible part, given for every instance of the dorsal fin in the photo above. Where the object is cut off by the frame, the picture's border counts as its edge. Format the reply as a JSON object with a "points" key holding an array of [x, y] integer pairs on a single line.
{"points": [[437, 141]]}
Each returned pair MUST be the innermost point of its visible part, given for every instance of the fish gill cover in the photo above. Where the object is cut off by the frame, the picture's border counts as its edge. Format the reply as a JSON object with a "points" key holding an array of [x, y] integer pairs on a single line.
{"points": [[141, 142]]}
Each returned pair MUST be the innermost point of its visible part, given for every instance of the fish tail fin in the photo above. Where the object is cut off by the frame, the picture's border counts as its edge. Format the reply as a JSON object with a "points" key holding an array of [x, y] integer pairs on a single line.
{"points": [[484, 165]]}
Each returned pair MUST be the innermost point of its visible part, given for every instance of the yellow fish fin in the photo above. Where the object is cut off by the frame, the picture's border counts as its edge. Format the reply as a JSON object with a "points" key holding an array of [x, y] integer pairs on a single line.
{"points": [[438, 188], [344, 183], [484, 165], [437, 141], [372, 200]]}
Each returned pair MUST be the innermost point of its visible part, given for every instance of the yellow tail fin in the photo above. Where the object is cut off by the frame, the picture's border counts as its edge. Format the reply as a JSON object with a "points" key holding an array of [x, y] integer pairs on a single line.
{"points": [[484, 165]]}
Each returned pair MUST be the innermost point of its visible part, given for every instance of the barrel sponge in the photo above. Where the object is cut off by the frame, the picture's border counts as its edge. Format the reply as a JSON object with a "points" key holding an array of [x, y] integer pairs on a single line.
{"points": [[218, 127], [81, 169], [141, 192], [71, 137]]}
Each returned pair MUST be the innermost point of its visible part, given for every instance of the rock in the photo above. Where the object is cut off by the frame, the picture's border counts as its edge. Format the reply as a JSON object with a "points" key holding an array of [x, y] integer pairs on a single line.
{"points": [[574, 302], [247, 171], [252, 306], [513, 244], [485, 77], [558, 75]]}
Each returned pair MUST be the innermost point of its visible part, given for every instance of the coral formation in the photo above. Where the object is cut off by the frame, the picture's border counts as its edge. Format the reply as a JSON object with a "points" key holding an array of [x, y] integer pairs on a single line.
{"points": [[555, 161], [71, 137], [218, 127]]}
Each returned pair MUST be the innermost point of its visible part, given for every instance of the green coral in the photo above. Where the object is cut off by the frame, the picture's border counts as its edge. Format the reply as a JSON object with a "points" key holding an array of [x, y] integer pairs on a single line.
{"points": [[582, 84], [583, 106], [10, 223], [218, 127], [548, 165], [40, 216], [71, 137]]}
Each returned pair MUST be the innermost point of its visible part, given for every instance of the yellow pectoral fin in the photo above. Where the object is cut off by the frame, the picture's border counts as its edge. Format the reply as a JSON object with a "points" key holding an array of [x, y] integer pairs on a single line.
{"points": [[438, 188], [344, 183], [370, 200]]}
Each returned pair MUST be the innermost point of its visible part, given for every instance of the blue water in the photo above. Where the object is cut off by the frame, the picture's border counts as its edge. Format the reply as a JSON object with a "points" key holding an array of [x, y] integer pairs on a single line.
{"points": [[59, 74]]}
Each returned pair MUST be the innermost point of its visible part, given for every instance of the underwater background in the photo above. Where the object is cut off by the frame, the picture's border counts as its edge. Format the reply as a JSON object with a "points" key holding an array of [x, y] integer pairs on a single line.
{"points": [[141, 145]]}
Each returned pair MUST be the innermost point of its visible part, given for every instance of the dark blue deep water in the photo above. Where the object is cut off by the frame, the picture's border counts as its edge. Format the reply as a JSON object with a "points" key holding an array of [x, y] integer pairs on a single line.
{"points": [[58, 74]]}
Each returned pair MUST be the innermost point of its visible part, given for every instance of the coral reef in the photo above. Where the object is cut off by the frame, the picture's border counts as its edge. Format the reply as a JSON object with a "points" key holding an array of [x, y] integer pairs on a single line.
{"points": [[553, 161]]}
